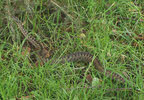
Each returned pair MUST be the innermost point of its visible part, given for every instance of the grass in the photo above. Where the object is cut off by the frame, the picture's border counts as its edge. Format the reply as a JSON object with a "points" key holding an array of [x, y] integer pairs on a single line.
{"points": [[105, 28]]}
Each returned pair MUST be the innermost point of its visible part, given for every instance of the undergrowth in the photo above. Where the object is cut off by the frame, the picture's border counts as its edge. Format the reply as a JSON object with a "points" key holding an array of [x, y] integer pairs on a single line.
{"points": [[111, 30]]}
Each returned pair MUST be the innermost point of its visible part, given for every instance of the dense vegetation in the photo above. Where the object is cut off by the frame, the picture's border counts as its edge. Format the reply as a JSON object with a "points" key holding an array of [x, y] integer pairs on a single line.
{"points": [[112, 30]]}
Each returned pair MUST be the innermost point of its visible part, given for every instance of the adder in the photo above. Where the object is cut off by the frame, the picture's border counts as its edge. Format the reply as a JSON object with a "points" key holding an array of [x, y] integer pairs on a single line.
{"points": [[77, 56]]}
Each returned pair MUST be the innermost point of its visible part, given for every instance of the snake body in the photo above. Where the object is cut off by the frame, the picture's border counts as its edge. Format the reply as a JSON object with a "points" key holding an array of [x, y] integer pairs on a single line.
{"points": [[77, 56], [25, 33], [87, 57]]}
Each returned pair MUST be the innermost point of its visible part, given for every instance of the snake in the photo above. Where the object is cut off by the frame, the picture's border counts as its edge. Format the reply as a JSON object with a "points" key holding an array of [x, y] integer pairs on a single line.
{"points": [[86, 57], [76, 56]]}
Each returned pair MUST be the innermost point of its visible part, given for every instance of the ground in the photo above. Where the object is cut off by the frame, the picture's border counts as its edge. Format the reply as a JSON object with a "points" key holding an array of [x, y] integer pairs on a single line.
{"points": [[111, 30]]}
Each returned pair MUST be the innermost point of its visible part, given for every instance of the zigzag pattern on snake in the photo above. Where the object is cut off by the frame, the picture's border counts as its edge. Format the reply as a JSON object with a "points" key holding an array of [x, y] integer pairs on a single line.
{"points": [[87, 57], [77, 56]]}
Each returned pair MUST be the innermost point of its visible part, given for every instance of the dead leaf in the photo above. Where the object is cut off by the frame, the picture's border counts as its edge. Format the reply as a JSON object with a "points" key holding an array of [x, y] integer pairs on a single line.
{"points": [[37, 63], [45, 53], [89, 78], [135, 44], [26, 51], [141, 20], [82, 35], [140, 37], [109, 54], [123, 57]]}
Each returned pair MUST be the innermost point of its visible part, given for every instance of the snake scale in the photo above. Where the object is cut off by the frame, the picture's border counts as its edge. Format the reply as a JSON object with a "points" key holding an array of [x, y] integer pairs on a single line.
{"points": [[77, 56], [87, 57]]}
